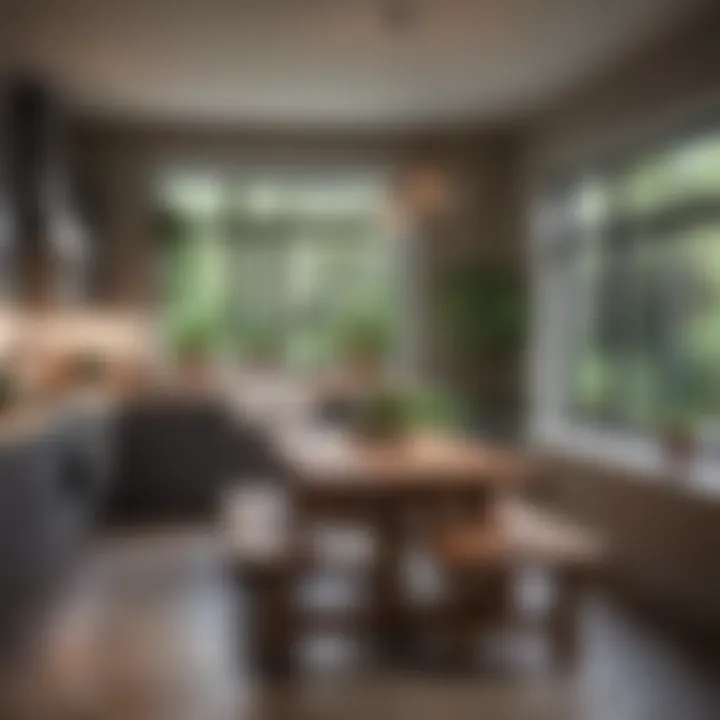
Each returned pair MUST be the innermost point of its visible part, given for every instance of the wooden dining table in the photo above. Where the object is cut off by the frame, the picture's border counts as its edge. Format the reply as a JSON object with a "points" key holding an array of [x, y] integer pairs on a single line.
{"points": [[401, 488]]}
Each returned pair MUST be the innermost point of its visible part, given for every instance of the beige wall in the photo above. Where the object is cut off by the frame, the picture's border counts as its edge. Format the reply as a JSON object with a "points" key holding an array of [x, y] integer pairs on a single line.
{"points": [[673, 82], [667, 537]]}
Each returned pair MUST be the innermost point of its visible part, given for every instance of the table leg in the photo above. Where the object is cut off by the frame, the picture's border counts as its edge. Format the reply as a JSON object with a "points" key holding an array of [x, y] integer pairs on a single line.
{"points": [[269, 620], [566, 618], [387, 589]]}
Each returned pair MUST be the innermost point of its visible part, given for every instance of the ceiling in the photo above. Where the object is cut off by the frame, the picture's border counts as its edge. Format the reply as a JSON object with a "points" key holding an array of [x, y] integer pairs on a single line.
{"points": [[323, 62]]}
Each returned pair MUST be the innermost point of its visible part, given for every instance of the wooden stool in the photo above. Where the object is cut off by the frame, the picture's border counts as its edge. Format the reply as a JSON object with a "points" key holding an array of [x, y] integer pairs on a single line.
{"points": [[479, 586]]}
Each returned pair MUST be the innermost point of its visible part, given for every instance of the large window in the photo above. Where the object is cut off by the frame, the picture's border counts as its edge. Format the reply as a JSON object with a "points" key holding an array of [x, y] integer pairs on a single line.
{"points": [[269, 264], [629, 280]]}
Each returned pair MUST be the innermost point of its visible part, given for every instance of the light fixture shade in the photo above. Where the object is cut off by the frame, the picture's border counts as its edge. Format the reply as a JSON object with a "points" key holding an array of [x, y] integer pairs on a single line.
{"points": [[423, 191]]}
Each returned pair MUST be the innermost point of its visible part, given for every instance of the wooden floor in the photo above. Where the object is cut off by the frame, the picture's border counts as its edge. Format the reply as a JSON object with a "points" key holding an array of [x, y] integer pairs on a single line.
{"points": [[149, 629]]}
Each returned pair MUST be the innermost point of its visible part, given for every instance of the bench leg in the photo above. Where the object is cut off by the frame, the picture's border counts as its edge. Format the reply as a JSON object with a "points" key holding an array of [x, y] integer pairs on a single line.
{"points": [[565, 619], [459, 623], [478, 600], [270, 623]]}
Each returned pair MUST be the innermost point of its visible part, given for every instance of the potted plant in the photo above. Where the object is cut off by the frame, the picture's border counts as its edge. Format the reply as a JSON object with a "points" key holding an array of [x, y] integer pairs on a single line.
{"points": [[483, 308], [385, 415], [678, 438], [392, 413], [364, 343], [436, 410], [193, 349]]}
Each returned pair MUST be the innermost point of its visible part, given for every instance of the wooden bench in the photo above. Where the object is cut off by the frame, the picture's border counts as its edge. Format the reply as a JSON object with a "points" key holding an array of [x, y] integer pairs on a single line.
{"points": [[482, 558]]}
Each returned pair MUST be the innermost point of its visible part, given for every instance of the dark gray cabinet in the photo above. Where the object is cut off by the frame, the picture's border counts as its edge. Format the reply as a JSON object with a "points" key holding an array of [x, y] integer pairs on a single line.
{"points": [[52, 482]]}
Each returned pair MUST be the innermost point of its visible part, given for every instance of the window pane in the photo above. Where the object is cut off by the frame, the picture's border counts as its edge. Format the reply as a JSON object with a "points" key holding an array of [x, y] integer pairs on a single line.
{"points": [[642, 244], [700, 338], [274, 264]]}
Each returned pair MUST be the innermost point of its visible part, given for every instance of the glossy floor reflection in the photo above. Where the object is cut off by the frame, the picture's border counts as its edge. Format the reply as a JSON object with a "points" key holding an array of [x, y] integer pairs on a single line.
{"points": [[148, 629]]}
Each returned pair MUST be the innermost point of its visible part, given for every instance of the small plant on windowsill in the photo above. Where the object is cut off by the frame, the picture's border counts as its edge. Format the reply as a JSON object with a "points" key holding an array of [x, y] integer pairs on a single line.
{"points": [[364, 343], [193, 350], [678, 439]]}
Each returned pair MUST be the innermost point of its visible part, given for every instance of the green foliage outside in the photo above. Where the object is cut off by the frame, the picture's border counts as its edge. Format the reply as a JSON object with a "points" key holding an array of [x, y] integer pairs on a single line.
{"points": [[277, 271]]}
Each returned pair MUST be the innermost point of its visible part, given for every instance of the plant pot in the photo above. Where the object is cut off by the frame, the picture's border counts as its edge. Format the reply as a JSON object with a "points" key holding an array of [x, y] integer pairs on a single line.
{"points": [[678, 446], [382, 437], [383, 418], [365, 369], [264, 362]]}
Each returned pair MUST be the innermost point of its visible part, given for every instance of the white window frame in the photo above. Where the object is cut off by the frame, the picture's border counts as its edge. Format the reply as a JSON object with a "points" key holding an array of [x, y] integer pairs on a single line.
{"points": [[549, 427]]}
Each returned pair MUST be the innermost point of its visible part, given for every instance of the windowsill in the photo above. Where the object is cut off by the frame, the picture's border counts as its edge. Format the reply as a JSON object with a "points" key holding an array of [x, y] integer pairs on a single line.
{"points": [[638, 455]]}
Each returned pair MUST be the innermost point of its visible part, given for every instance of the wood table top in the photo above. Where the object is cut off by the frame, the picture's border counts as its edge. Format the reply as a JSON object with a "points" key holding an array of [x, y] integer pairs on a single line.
{"points": [[341, 461]]}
